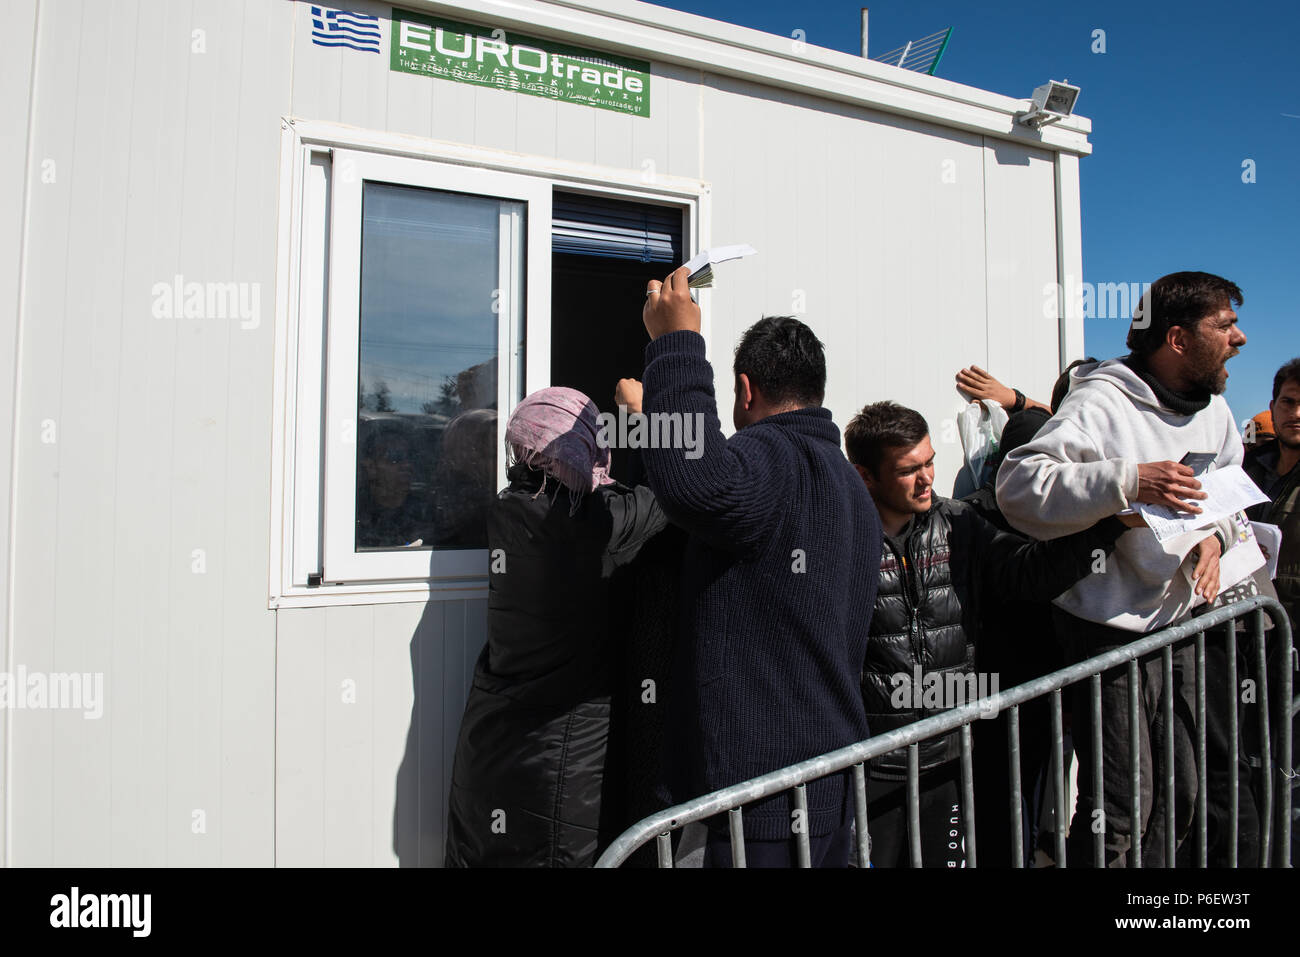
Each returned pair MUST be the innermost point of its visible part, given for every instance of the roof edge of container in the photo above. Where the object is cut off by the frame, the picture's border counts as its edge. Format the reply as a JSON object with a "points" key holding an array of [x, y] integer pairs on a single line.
{"points": [[714, 46]]}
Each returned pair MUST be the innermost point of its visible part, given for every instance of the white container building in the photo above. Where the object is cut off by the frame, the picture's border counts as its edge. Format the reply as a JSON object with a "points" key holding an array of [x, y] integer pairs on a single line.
{"points": [[272, 271]]}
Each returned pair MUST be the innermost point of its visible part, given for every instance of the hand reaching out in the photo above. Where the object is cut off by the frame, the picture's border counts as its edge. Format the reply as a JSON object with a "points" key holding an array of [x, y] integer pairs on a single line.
{"points": [[978, 384], [628, 393]]}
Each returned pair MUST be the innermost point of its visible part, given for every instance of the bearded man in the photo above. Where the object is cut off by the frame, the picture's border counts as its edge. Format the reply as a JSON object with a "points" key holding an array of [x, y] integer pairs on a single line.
{"points": [[1117, 439]]}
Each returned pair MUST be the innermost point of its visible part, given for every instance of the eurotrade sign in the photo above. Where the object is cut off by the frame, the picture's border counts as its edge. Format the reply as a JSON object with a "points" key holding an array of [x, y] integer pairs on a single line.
{"points": [[465, 53]]}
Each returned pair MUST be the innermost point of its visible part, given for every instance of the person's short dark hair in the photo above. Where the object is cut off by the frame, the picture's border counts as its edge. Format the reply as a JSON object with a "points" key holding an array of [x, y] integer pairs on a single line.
{"points": [[1062, 386], [784, 360], [1288, 373], [1179, 299], [881, 426]]}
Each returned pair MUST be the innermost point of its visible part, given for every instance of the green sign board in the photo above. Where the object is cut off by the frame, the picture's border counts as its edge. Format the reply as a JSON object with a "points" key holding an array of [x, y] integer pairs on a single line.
{"points": [[431, 46]]}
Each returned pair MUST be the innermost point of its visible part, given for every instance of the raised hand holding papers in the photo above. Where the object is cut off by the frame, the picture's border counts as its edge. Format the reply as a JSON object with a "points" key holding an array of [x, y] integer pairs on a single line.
{"points": [[702, 263]]}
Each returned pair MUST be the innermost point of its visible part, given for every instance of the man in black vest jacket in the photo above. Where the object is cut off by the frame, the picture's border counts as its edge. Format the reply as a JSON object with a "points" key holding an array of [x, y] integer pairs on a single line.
{"points": [[940, 562], [778, 578]]}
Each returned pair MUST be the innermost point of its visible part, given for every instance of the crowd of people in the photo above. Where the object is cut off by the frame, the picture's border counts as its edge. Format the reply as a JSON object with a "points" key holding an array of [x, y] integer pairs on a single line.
{"points": [[741, 610]]}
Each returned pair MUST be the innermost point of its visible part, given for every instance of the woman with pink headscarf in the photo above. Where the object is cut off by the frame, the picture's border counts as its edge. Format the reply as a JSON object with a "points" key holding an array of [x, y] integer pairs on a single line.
{"points": [[530, 759]]}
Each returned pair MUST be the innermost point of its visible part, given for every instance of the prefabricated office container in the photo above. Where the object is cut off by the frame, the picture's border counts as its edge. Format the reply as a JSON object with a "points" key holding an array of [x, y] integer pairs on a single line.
{"points": [[277, 267]]}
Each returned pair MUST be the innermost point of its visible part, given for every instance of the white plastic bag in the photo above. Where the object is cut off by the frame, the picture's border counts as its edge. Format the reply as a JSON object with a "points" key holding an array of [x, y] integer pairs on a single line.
{"points": [[980, 427]]}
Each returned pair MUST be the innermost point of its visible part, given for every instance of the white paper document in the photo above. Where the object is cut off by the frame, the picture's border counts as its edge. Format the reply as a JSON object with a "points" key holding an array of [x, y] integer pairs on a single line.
{"points": [[1243, 558], [702, 263], [1228, 490], [1270, 540]]}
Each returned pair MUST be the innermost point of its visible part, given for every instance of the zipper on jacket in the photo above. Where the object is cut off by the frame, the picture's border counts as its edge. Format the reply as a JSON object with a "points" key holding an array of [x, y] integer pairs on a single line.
{"points": [[913, 629], [914, 607]]}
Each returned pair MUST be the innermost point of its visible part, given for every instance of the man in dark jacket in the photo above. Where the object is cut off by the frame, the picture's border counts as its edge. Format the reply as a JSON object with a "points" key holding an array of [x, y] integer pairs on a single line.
{"points": [[1275, 467], [1018, 642], [940, 563], [778, 579]]}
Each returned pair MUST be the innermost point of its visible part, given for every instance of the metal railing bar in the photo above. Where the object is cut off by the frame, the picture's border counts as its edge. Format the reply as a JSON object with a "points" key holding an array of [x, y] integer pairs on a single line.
{"points": [[802, 825], [1266, 814], [1167, 708], [736, 828], [914, 802], [1234, 699], [860, 813], [1098, 785], [1134, 769], [1202, 757], [1058, 777], [783, 779], [968, 794]]}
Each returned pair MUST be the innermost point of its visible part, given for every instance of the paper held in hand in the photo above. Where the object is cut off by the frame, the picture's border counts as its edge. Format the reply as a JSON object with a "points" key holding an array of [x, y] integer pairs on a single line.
{"points": [[1243, 558], [702, 263], [1269, 538], [1228, 490]]}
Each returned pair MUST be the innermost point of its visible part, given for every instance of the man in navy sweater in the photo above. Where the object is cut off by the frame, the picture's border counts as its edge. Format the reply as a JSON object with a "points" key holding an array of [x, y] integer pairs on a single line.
{"points": [[778, 580]]}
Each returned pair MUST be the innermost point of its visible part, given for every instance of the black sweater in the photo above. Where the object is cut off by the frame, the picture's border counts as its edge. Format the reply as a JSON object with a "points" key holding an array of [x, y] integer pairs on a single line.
{"points": [[778, 582]]}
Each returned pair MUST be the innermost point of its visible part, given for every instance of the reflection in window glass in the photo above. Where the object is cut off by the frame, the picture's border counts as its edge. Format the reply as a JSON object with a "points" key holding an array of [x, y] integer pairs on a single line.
{"points": [[432, 263]]}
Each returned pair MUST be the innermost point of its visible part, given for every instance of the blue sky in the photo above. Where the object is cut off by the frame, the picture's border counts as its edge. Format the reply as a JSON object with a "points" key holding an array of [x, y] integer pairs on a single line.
{"points": [[1184, 93]]}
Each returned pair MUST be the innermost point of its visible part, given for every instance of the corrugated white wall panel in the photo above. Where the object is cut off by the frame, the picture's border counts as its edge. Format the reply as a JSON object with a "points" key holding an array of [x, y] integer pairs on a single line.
{"points": [[370, 702], [1020, 185], [17, 52], [248, 652], [868, 226], [143, 527]]}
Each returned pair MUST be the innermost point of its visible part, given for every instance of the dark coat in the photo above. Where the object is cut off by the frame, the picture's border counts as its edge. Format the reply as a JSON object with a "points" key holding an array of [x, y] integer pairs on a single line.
{"points": [[527, 776], [929, 605], [644, 607], [1282, 510], [778, 580]]}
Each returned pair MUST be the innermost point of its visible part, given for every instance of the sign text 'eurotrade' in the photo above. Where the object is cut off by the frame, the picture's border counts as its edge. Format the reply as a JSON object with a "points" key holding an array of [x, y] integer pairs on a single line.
{"points": [[465, 53]]}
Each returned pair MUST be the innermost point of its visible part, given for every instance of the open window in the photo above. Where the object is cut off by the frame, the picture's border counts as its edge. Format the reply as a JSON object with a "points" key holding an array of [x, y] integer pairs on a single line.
{"points": [[420, 299], [604, 250]]}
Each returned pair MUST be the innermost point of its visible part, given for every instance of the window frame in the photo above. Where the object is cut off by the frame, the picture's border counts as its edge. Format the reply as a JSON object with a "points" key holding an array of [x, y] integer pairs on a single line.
{"points": [[351, 170], [304, 477]]}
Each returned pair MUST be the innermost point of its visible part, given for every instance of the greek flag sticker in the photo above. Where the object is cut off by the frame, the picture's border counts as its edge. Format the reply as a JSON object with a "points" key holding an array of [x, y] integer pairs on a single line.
{"points": [[342, 28]]}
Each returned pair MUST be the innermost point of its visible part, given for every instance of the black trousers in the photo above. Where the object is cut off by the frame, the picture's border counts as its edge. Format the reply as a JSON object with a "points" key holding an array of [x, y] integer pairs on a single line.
{"points": [[1221, 778], [941, 821], [1082, 640]]}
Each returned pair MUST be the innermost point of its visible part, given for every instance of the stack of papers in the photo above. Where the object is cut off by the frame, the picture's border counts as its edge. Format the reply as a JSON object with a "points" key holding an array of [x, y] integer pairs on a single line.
{"points": [[1228, 491], [702, 263], [1243, 558]]}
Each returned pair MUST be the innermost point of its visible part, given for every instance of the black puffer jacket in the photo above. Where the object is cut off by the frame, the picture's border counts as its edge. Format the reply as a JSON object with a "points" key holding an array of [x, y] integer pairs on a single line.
{"points": [[928, 607], [530, 759]]}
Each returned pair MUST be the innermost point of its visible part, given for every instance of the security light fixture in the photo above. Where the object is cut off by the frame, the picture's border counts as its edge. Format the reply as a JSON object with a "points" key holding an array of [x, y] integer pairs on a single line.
{"points": [[1051, 103]]}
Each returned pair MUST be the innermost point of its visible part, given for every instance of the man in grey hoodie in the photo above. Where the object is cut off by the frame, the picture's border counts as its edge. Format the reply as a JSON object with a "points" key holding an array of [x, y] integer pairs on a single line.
{"points": [[1116, 440]]}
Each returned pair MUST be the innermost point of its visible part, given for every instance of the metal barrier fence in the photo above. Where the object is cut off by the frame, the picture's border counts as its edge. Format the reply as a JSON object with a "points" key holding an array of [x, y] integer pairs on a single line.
{"points": [[1275, 813]]}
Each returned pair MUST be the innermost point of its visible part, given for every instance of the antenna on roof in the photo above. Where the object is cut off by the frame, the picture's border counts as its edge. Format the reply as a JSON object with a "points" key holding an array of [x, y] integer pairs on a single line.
{"points": [[920, 56]]}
